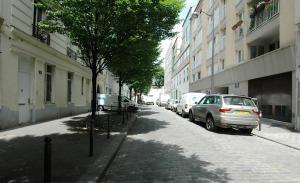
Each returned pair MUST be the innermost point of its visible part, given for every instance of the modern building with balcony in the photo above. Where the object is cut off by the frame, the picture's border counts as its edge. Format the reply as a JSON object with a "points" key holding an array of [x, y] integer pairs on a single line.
{"points": [[41, 76], [259, 54], [181, 59]]}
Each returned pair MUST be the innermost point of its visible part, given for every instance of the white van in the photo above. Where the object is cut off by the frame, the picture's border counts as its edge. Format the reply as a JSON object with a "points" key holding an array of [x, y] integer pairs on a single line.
{"points": [[187, 101], [111, 102], [163, 99], [148, 99]]}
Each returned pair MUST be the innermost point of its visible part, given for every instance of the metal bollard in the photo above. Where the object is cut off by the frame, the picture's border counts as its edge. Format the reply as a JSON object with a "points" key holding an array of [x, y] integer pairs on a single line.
{"points": [[127, 113], [47, 160], [259, 125], [108, 127], [123, 120]]}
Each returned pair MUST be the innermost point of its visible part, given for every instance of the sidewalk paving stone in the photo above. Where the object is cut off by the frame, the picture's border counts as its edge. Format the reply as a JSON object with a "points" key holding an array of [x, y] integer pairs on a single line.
{"points": [[22, 149], [279, 133]]}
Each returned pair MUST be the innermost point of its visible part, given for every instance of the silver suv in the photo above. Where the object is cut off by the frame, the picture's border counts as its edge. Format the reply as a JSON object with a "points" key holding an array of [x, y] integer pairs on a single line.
{"points": [[226, 111]]}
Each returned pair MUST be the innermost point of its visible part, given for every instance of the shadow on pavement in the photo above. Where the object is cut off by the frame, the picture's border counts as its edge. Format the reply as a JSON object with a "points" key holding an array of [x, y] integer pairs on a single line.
{"points": [[152, 161], [225, 131], [101, 123], [147, 113], [21, 159], [146, 125]]}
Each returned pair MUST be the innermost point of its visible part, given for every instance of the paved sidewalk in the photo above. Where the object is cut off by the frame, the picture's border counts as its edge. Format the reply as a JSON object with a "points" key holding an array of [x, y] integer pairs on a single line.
{"points": [[22, 149], [279, 133]]}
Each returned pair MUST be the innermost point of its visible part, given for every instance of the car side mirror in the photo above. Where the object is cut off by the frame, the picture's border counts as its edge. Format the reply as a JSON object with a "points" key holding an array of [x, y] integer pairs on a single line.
{"points": [[196, 103]]}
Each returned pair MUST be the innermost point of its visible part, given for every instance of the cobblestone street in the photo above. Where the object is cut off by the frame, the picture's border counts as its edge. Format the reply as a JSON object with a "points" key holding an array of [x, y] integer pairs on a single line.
{"points": [[164, 147]]}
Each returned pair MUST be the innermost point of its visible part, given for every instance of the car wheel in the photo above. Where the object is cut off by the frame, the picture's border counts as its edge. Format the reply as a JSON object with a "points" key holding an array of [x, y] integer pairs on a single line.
{"points": [[183, 114], [246, 131], [210, 124], [191, 117]]}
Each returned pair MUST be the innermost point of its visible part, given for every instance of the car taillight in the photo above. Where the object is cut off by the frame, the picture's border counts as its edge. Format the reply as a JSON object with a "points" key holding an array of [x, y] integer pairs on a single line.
{"points": [[224, 109], [257, 113], [186, 106]]}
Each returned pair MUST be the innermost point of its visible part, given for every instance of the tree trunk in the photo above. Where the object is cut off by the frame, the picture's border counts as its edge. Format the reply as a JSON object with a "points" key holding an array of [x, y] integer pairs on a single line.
{"points": [[130, 93], [94, 107], [120, 95]]}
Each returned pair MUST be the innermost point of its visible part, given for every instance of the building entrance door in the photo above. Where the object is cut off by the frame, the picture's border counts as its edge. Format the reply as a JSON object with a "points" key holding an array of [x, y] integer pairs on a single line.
{"points": [[24, 85]]}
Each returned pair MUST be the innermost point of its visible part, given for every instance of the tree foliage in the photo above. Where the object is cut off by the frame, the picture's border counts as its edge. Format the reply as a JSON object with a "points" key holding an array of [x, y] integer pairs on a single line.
{"points": [[100, 27], [159, 76]]}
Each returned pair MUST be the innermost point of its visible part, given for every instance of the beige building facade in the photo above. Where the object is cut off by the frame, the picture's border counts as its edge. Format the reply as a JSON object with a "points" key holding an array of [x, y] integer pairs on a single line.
{"points": [[255, 52], [41, 77]]}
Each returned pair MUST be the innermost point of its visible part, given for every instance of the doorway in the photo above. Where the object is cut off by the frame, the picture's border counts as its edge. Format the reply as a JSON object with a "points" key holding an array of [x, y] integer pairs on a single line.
{"points": [[24, 89]]}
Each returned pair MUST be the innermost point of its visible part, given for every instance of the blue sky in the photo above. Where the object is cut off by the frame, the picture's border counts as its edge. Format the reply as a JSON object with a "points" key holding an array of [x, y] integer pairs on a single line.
{"points": [[188, 4], [165, 43]]}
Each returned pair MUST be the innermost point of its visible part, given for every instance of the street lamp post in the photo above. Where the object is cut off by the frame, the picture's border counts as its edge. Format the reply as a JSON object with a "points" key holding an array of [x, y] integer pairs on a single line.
{"points": [[196, 14]]}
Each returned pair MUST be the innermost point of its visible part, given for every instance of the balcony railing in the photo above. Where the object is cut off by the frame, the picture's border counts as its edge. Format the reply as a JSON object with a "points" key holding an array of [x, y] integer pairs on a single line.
{"points": [[71, 53], [41, 34], [261, 17]]}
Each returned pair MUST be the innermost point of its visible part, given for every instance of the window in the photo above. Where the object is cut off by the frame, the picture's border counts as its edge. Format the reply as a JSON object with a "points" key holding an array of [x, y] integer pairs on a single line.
{"points": [[261, 50], [209, 100], [39, 15], [82, 80], [236, 85], [202, 100], [222, 64], [49, 83], [70, 79], [209, 70], [187, 74], [199, 75], [193, 77], [240, 56], [253, 52], [218, 100], [236, 100]]}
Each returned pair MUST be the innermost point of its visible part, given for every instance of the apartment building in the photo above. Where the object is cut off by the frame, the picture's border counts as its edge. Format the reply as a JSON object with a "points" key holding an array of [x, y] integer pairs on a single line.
{"points": [[181, 59], [254, 52], [168, 61], [41, 76]]}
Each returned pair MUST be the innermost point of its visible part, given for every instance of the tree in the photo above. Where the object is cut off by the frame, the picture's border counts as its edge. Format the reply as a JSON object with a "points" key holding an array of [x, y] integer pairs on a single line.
{"points": [[158, 79], [98, 27], [134, 60]]}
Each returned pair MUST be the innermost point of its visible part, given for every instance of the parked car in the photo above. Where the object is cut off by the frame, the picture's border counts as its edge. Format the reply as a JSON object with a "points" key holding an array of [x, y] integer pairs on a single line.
{"points": [[226, 111], [148, 99], [187, 101], [111, 102], [163, 99], [170, 103], [157, 102], [174, 105]]}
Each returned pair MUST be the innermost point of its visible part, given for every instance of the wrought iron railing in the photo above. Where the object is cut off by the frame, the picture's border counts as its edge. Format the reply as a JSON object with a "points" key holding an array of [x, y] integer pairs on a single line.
{"points": [[264, 15], [40, 34]]}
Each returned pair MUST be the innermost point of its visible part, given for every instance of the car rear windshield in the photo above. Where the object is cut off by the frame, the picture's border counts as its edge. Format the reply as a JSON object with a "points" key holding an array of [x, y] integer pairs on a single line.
{"points": [[242, 101]]}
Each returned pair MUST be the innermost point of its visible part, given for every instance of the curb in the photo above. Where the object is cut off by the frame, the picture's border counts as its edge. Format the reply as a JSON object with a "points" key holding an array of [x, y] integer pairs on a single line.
{"points": [[96, 172], [272, 140]]}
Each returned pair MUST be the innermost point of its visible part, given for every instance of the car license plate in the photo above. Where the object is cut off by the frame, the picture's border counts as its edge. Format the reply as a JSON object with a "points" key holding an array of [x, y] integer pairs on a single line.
{"points": [[242, 112]]}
